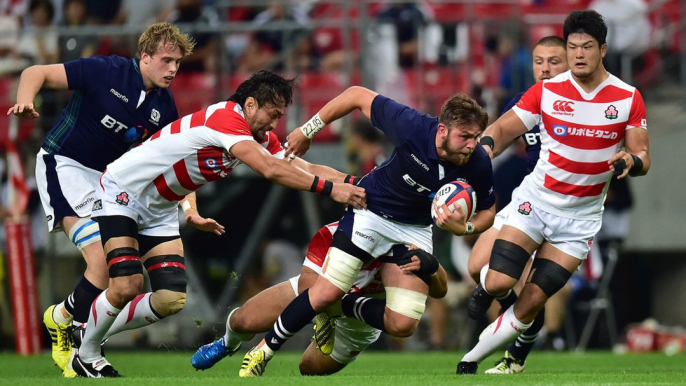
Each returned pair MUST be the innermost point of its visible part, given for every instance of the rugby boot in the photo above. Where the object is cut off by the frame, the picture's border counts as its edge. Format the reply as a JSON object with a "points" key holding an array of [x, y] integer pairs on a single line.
{"points": [[208, 355], [254, 364], [507, 365], [467, 368], [101, 368], [479, 302], [325, 332], [59, 334]]}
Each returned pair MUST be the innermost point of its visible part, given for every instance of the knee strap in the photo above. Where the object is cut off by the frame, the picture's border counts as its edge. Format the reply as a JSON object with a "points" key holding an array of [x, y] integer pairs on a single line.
{"points": [[406, 302], [341, 269], [167, 272], [508, 258], [549, 275], [84, 232], [124, 262]]}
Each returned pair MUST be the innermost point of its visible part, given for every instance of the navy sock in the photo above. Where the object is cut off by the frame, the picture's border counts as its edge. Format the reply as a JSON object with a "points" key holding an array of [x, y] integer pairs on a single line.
{"points": [[79, 302], [297, 315], [368, 310], [521, 347]]}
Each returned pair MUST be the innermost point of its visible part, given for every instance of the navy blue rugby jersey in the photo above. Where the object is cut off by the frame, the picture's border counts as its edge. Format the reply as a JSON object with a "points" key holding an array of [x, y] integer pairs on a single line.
{"points": [[109, 111], [403, 187], [532, 138]]}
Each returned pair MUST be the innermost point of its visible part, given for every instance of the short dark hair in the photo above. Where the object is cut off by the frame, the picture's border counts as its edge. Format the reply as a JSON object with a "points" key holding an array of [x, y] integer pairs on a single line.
{"points": [[461, 110], [587, 21], [552, 41], [265, 87]]}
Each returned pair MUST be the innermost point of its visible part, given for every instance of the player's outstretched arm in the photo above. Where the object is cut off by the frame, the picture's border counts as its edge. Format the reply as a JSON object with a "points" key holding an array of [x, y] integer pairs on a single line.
{"points": [[353, 98], [502, 133], [31, 81], [323, 171], [193, 217], [283, 173]]}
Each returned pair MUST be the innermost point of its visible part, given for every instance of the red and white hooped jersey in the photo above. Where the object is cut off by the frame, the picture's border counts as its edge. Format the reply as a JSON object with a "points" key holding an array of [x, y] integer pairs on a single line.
{"points": [[580, 132], [185, 155], [368, 280]]}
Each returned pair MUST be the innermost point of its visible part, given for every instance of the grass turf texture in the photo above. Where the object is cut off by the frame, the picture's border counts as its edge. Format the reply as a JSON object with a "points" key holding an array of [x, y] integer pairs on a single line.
{"points": [[372, 369]]}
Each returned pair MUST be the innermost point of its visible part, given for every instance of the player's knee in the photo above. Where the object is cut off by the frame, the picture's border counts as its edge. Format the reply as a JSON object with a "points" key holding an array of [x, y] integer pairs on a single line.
{"points": [[408, 307], [400, 326], [549, 276], [124, 262], [167, 303], [341, 269], [508, 258], [124, 289]]}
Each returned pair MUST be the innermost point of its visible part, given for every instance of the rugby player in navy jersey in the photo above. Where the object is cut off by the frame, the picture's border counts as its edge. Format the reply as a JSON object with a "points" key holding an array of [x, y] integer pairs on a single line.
{"points": [[549, 59], [429, 152], [117, 103]]}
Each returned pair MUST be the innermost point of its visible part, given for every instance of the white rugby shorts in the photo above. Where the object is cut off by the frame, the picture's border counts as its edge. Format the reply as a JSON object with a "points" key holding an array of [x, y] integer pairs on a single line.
{"points": [[111, 200], [66, 188], [571, 236]]}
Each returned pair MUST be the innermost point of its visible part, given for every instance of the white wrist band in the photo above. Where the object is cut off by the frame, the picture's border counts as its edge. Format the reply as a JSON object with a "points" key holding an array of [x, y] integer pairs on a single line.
{"points": [[186, 206], [313, 126]]}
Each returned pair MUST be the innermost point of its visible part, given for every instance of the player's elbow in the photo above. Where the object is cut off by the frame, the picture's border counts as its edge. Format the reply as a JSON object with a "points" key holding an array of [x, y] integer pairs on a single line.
{"points": [[438, 290]]}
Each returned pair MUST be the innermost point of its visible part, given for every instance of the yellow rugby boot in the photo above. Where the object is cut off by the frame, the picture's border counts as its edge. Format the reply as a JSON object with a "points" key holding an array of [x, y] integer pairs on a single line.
{"points": [[59, 334]]}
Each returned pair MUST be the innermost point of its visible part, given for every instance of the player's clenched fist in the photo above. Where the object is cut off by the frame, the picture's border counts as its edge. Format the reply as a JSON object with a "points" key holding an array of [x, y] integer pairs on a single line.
{"points": [[24, 111], [298, 143], [349, 195]]}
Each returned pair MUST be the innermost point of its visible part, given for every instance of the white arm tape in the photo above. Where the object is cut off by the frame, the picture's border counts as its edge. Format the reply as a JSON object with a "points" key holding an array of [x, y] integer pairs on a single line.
{"points": [[186, 206], [313, 126]]}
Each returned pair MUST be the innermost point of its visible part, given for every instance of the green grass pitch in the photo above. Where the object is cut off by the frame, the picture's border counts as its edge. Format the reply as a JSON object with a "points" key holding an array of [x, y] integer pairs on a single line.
{"points": [[372, 369]]}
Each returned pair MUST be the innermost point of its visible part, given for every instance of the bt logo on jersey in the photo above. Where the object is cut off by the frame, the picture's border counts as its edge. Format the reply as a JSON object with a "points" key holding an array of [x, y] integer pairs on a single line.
{"points": [[112, 123], [412, 182]]}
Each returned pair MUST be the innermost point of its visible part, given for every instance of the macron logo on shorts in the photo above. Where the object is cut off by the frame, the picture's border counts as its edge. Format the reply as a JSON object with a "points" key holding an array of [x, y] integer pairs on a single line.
{"points": [[367, 237]]}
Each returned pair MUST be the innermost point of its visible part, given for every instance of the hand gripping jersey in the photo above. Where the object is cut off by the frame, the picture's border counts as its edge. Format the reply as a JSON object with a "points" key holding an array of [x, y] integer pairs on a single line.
{"points": [[185, 155], [108, 113], [580, 132], [368, 280], [402, 188]]}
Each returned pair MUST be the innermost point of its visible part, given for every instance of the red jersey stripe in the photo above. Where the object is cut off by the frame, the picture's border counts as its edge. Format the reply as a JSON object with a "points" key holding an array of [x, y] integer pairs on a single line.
{"points": [[198, 118], [571, 189], [164, 190], [183, 176], [577, 167], [175, 127], [585, 137]]}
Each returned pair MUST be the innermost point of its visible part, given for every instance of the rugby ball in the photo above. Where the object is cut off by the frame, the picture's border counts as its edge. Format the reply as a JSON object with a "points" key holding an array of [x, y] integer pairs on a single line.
{"points": [[453, 194]]}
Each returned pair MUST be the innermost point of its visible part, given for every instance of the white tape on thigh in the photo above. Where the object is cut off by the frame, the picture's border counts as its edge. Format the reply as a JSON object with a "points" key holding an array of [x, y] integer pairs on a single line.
{"points": [[84, 232], [341, 269], [406, 302]]}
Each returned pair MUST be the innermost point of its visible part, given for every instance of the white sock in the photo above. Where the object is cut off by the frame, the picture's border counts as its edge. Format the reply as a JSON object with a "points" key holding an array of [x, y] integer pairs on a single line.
{"points": [[268, 352], [502, 331], [101, 316], [58, 317], [136, 314], [232, 338]]}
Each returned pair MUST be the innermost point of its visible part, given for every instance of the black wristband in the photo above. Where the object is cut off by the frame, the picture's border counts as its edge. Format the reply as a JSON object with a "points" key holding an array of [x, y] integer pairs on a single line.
{"points": [[487, 141], [315, 184], [349, 179], [328, 187], [638, 166]]}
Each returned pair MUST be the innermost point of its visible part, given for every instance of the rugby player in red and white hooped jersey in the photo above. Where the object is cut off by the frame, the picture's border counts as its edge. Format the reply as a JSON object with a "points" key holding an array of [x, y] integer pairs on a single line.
{"points": [[136, 205], [593, 125], [352, 336]]}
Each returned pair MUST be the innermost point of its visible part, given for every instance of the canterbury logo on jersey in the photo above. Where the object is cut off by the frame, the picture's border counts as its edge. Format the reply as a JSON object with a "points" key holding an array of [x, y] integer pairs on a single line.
{"points": [[561, 107]]}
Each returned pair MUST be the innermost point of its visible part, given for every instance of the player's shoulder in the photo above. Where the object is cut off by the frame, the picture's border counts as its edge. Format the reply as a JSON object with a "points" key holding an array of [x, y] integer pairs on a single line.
{"points": [[480, 158]]}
